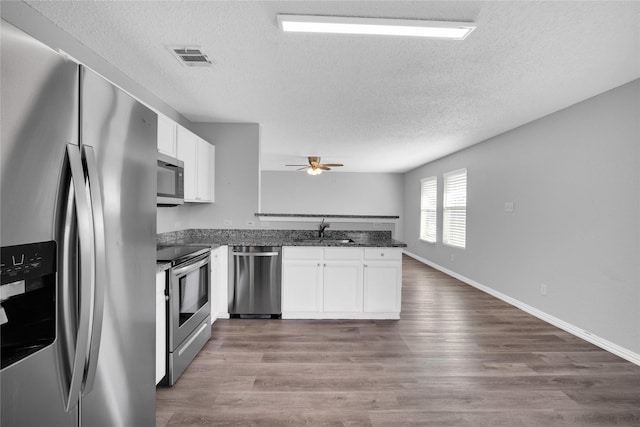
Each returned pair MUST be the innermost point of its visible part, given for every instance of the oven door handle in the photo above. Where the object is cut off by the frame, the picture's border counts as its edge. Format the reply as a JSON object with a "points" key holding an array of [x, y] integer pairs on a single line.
{"points": [[179, 271]]}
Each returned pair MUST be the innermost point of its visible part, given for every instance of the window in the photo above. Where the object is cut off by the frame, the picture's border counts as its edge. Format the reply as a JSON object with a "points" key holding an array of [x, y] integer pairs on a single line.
{"points": [[454, 222], [428, 208]]}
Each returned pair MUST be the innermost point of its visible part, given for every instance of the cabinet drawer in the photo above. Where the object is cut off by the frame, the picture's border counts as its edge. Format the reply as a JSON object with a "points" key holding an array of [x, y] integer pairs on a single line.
{"points": [[293, 252], [383, 254], [342, 254]]}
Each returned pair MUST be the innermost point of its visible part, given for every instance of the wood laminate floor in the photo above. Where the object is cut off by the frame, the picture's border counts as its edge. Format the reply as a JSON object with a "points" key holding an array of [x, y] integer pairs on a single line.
{"points": [[457, 357]]}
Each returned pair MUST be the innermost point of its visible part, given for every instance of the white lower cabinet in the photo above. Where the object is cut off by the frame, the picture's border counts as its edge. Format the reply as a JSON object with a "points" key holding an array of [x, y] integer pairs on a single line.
{"points": [[301, 286], [161, 325], [341, 283], [219, 281], [302, 280], [381, 287], [342, 280], [382, 279]]}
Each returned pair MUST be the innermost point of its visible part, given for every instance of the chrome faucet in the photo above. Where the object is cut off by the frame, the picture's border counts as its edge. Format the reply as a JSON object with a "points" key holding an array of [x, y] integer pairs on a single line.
{"points": [[323, 227]]}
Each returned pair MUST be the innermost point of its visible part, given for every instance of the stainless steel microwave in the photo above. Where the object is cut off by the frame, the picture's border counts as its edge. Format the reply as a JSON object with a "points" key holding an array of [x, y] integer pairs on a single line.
{"points": [[170, 181]]}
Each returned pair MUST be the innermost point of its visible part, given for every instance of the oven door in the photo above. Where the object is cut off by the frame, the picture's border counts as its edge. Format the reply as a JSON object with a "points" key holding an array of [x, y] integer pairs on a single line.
{"points": [[189, 298]]}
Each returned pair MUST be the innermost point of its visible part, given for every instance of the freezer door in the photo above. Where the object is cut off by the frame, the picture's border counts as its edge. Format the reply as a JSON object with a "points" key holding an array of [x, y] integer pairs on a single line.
{"points": [[39, 116], [122, 134]]}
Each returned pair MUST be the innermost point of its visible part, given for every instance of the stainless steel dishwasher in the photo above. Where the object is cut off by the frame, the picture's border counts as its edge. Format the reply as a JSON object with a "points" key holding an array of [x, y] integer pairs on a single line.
{"points": [[255, 281]]}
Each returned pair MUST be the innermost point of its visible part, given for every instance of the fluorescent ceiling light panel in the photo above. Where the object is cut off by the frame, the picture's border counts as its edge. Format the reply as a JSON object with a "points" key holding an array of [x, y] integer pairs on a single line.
{"points": [[375, 26]]}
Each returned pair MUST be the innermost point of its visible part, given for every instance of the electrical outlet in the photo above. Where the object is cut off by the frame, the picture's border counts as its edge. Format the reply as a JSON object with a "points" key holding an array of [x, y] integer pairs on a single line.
{"points": [[226, 223], [453, 257], [508, 206], [251, 223], [543, 289]]}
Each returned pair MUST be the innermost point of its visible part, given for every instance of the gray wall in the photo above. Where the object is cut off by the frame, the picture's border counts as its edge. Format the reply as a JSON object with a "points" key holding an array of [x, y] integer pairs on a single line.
{"points": [[574, 179], [237, 174], [39, 27], [334, 193]]}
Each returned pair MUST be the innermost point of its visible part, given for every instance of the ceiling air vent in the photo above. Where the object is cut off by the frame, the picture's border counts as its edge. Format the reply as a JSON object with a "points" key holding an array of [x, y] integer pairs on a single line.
{"points": [[191, 56]]}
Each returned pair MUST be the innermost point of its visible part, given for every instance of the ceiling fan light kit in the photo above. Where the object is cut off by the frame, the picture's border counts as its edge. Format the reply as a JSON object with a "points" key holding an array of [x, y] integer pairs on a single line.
{"points": [[315, 167], [450, 30]]}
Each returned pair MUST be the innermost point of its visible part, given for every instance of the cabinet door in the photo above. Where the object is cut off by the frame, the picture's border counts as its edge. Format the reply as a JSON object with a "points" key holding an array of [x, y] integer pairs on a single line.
{"points": [[167, 136], [382, 286], [301, 286], [206, 161], [219, 282], [342, 283], [187, 152], [161, 326]]}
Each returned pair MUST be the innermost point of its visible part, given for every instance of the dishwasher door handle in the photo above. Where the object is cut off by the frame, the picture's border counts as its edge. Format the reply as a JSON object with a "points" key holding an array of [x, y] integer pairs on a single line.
{"points": [[255, 253]]}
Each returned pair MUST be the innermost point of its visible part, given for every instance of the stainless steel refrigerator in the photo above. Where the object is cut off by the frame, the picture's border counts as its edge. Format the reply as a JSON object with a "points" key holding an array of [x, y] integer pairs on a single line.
{"points": [[78, 226]]}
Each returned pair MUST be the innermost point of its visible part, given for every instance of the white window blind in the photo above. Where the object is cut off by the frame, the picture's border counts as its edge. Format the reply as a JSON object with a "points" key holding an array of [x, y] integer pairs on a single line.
{"points": [[454, 225], [428, 208]]}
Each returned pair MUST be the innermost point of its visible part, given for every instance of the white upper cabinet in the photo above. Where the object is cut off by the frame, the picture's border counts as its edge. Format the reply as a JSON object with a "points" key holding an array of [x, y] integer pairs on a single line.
{"points": [[187, 152], [206, 177], [199, 162], [167, 136]]}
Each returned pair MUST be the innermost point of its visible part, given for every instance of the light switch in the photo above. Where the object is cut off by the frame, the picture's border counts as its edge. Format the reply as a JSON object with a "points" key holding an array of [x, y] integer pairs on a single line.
{"points": [[508, 206]]}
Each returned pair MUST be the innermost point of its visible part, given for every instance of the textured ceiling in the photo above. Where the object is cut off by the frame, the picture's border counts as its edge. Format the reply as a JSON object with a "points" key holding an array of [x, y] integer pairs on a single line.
{"points": [[374, 104]]}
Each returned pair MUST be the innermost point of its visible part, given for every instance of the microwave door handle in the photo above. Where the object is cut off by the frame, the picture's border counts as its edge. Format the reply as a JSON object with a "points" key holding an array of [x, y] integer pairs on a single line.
{"points": [[85, 238], [99, 278]]}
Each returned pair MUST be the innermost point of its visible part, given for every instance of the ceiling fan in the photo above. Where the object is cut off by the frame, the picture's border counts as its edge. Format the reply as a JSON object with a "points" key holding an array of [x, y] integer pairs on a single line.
{"points": [[315, 167]]}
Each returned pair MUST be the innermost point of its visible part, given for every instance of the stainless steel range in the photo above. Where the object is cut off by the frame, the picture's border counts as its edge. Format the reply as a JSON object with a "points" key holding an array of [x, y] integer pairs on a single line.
{"points": [[189, 305]]}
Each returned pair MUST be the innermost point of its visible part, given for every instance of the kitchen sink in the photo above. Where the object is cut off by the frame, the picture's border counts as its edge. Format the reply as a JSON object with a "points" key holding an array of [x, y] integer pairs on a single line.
{"points": [[326, 241]]}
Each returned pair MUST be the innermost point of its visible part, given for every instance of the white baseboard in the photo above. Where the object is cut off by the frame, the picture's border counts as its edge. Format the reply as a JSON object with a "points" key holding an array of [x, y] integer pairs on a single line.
{"points": [[568, 327], [219, 316]]}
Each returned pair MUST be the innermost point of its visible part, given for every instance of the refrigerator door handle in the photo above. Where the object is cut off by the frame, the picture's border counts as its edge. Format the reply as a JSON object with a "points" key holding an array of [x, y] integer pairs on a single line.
{"points": [[85, 238], [99, 277]]}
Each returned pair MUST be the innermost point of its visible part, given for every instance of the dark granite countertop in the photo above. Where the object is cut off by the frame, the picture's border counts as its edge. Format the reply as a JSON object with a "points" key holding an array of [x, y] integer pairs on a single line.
{"points": [[279, 238], [328, 216]]}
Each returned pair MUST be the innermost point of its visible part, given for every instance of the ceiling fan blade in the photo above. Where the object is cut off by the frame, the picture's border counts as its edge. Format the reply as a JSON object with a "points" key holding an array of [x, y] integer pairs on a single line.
{"points": [[314, 163]]}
